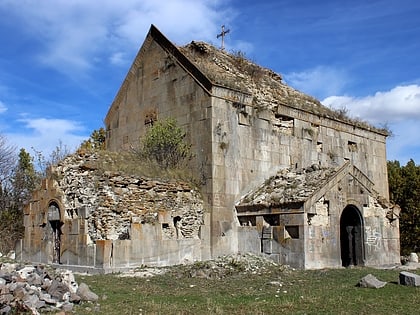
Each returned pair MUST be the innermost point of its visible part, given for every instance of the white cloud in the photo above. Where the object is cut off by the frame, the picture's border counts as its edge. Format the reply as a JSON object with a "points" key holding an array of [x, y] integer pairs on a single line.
{"points": [[398, 108], [398, 104], [3, 107], [320, 81], [75, 34], [43, 134]]}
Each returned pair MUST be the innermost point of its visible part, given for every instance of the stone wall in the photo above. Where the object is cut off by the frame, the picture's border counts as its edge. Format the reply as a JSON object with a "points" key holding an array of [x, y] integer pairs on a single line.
{"points": [[109, 220]]}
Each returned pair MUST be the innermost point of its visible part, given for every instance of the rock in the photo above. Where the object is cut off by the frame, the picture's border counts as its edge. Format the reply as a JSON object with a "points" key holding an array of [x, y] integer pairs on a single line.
{"points": [[371, 281], [5, 309], [31, 287], [26, 271], [11, 255], [68, 279], [57, 289], [85, 293], [74, 298], [275, 283], [409, 279], [413, 258]]}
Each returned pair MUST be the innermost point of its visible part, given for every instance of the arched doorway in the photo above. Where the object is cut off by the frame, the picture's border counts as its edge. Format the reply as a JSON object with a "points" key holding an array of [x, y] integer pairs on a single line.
{"points": [[55, 223], [351, 237]]}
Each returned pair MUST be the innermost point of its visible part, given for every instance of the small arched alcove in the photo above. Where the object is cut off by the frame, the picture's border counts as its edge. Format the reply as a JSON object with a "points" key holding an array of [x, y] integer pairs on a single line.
{"points": [[54, 218], [351, 237]]}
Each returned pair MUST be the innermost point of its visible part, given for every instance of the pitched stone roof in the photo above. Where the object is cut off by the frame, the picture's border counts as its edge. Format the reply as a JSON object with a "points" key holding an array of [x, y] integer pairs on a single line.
{"points": [[211, 66], [266, 87], [237, 72], [288, 186]]}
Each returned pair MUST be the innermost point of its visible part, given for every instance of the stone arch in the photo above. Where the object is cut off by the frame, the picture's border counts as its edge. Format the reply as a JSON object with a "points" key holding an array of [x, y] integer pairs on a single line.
{"points": [[351, 237], [54, 219]]}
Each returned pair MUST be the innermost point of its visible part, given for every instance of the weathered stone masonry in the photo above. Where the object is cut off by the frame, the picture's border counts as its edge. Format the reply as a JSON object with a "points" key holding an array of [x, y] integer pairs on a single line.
{"points": [[245, 125], [108, 220]]}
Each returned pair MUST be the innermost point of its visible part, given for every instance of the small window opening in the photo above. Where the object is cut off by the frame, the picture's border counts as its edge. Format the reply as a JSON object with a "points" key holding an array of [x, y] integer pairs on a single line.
{"points": [[177, 226], [293, 230], [352, 146], [319, 146]]}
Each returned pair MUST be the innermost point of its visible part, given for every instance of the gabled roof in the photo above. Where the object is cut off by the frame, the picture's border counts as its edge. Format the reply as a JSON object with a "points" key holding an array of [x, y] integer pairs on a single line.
{"points": [[292, 188], [210, 66]]}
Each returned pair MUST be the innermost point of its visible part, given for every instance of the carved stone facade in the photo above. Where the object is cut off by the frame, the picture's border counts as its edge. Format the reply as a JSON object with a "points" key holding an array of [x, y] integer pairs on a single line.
{"points": [[245, 127]]}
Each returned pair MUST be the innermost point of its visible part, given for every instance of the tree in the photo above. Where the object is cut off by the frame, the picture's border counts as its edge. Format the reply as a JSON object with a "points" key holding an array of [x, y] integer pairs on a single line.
{"points": [[7, 160], [96, 140], [164, 144], [60, 152], [404, 188], [24, 179]]}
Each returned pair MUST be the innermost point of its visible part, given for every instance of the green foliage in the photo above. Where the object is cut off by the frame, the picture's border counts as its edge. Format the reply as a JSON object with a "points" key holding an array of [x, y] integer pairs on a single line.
{"points": [[11, 228], [404, 190], [329, 291], [96, 141], [164, 144], [25, 179]]}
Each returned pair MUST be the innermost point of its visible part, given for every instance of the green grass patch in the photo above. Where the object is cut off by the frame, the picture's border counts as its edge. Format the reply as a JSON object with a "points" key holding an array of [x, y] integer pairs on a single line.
{"points": [[274, 291]]}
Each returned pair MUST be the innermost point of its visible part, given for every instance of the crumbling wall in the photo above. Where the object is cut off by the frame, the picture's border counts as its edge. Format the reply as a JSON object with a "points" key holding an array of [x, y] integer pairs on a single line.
{"points": [[108, 220], [113, 200]]}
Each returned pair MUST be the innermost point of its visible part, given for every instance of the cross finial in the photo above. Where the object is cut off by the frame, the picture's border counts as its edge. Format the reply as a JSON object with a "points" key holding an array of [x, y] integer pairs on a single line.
{"points": [[222, 35]]}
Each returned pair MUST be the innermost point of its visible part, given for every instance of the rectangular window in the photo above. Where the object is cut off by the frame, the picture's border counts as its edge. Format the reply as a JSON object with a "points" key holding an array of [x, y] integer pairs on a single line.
{"points": [[293, 230], [352, 146]]}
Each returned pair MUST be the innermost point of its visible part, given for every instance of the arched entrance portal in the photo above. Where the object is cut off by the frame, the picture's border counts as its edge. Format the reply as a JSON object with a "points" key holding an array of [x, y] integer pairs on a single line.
{"points": [[351, 237], [55, 222]]}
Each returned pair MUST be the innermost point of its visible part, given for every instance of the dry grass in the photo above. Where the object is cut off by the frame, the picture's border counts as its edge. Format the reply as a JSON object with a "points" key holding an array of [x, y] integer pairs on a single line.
{"points": [[301, 292]]}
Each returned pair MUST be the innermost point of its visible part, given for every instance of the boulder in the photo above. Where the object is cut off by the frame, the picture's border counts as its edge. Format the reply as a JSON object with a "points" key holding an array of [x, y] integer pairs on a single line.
{"points": [[371, 281], [413, 258], [85, 293], [409, 279]]}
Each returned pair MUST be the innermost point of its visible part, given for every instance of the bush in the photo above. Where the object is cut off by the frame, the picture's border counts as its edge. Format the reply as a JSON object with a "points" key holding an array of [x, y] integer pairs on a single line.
{"points": [[164, 144]]}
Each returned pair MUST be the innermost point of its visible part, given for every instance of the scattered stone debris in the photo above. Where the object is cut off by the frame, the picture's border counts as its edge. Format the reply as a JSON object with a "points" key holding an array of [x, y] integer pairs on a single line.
{"points": [[38, 288], [289, 185], [228, 265], [219, 268], [144, 272], [409, 279], [370, 281]]}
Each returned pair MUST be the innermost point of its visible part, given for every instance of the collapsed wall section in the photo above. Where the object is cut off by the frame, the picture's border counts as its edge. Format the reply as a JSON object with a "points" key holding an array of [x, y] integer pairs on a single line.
{"points": [[109, 220]]}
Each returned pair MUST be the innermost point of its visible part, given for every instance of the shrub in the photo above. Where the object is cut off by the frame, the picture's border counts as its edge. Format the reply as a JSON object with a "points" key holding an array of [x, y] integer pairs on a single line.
{"points": [[164, 144]]}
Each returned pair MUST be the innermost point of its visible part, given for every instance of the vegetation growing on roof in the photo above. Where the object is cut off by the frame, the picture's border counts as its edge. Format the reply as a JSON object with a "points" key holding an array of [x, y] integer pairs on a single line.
{"points": [[234, 70]]}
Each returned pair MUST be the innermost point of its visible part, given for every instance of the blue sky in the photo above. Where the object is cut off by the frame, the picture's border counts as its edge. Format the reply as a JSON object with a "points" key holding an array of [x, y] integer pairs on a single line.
{"points": [[62, 61]]}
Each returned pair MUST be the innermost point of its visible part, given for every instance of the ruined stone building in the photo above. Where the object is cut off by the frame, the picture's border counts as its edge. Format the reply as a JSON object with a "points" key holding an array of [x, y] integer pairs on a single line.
{"points": [[282, 175]]}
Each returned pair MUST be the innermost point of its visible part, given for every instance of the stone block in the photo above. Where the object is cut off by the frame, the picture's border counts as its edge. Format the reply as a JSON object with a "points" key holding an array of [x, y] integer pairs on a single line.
{"points": [[409, 279], [371, 281]]}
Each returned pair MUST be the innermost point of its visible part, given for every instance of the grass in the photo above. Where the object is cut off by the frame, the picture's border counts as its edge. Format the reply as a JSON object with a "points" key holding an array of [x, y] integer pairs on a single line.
{"points": [[301, 292]]}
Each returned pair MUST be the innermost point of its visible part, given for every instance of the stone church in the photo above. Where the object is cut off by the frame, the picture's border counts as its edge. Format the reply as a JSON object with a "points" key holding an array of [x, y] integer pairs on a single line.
{"points": [[282, 175]]}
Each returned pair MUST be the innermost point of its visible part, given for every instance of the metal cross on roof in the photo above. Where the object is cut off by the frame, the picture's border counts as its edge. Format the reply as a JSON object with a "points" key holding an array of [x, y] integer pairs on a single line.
{"points": [[222, 35]]}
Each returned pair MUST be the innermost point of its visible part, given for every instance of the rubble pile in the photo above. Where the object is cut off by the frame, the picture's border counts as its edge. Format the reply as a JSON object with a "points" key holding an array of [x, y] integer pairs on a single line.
{"points": [[112, 200], [289, 186], [224, 266], [38, 289]]}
